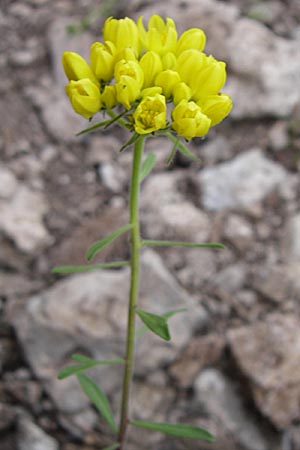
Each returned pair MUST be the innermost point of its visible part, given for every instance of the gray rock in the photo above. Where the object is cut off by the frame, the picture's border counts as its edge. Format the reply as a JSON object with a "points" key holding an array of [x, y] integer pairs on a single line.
{"points": [[220, 400], [268, 353], [259, 85], [240, 183], [291, 240], [21, 218], [31, 437], [92, 317], [239, 232], [166, 214], [8, 183]]}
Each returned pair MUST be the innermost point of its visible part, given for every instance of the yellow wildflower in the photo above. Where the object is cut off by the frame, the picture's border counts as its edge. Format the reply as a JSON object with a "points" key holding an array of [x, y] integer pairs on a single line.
{"points": [[189, 121], [150, 114], [161, 36], [123, 33], [76, 67], [216, 107], [84, 96], [102, 60], [151, 66]]}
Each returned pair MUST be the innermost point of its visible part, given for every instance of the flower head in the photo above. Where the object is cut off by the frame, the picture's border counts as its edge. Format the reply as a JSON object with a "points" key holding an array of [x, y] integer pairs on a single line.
{"points": [[76, 67], [122, 33], [102, 60], [161, 36], [150, 114]]}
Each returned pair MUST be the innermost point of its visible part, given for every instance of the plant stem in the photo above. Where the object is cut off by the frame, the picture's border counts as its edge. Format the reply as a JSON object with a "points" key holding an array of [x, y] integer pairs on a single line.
{"points": [[134, 286]]}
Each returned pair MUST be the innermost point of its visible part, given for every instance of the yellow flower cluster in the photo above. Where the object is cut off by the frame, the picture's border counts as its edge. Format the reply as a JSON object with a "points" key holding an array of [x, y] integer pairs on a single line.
{"points": [[144, 69]]}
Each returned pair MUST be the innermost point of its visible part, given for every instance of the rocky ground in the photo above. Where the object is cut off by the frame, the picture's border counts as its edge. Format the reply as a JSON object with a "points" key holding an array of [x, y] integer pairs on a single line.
{"points": [[234, 363]]}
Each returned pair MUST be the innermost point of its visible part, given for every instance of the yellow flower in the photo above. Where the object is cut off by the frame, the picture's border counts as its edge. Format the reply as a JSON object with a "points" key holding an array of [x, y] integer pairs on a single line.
{"points": [[109, 96], [209, 80], [181, 92], [151, 66], [167, 80], [129, 82], [161, 36], [150, 114], [123, 33], [76, 67], [102, 60], [189, 63], [84, 96], [189, 121], [193, 38], [169, 61], [216, 107]]}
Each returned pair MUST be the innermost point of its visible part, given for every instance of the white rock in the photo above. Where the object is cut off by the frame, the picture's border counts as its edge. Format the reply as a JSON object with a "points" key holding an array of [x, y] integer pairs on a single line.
{"points": [[220, 399], [21, 218], [240, 183], [291, 240], [8, 183], [31, 437]]}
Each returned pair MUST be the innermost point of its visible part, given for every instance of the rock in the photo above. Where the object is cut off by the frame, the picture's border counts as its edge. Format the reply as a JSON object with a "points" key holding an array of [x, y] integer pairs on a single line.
{"points": [[7, 416], [220, 400], [215, 150], [291, 240], [268, 353], [197, 267], [8, 183], [31, 437], [239, 232], [203, 351], [228, 281], [278, 283], [274, 86], [170, 216], [112, 176], [92, 317], [240, 183], [21, 218], [102, 149], [12, 284], [278, 136], [151, 402]]}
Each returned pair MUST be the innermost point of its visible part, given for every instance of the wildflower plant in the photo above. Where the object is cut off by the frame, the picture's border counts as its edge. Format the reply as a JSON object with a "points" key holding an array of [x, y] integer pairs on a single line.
{"points": [[150, 82]]}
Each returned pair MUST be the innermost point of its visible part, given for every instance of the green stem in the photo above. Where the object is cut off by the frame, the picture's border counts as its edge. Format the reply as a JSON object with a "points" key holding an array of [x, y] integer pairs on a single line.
{"points": [[134, 286]]}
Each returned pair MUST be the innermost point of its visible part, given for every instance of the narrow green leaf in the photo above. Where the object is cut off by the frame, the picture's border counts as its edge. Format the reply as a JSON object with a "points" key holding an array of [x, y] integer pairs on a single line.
{"points": [[166, 315], [87, 268], [181, 147], [147, 166], [93, 127], [178, 430], [172, 153], [99, 245], [152, 243], [155, 323], [115, 118], [82, 358], [67, 371], [112, 447], [130, 141], [98, 398]]}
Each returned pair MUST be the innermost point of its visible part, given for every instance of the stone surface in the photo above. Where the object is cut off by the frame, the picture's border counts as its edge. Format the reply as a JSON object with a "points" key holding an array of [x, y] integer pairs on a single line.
{"points": [[92, 317], [171, 216], [268, 353], [31, 437], [220, 400], [239, 232], [240, 183], [291, 240], [21, 218]]}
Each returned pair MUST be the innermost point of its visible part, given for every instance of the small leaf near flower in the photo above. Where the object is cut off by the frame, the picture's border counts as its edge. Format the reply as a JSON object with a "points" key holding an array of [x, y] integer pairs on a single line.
{"points": [[157, 324], [99, 245], [178, 430]]}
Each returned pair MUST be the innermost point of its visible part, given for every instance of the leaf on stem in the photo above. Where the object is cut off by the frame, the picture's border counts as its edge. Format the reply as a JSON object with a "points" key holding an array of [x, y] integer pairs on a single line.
{"points": [[155, 243], [86, 363], [93, 127], [157, 324], [166, 316], [181, 147], [178, 430], [130, 141], [99, 245], [147, 166], [87, 268], [98, 398]]}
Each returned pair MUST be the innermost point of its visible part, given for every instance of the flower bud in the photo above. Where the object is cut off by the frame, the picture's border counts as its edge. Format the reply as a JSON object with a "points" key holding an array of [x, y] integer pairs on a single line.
{"points": [[123, 33], [167, 80], [194, 38], [161, 36], [189, 63], [109, 96], [189, 121], [216, 107], [76, 67], [181, 91], [151, 66], [169, 61], [209, 80], [129, 81], [150, 114], [84, 96], [102, 60]]}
